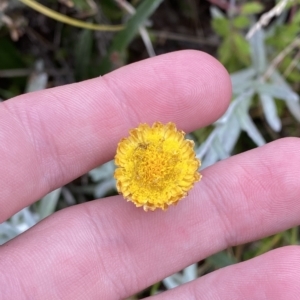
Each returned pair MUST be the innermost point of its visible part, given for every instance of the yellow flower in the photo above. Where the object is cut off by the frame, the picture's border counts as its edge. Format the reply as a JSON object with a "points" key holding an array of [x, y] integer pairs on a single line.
{"points": [[156, 166]]}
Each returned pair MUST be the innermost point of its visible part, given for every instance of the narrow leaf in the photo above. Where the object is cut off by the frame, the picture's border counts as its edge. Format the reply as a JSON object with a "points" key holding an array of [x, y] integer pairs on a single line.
{"points": [[270, 112], [277, 79], [248, 126], [293, 103], [124, 37], [230, 133], [220, 149], [48, 203], [258, 51], [190, 273], [277, 91], [221, 259], [83, 54], [251, 8], [210, 158]]}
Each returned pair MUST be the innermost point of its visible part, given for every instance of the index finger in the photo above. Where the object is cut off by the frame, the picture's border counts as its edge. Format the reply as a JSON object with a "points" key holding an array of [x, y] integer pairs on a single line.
{"points": [[50, 137]]}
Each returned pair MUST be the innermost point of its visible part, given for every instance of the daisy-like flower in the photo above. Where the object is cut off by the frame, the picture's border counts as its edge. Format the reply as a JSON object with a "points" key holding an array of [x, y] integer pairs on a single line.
{"points": [[156, 166]]}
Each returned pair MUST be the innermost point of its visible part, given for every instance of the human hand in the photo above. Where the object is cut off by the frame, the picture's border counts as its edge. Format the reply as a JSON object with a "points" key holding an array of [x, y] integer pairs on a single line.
{"points": [[109, 249]]}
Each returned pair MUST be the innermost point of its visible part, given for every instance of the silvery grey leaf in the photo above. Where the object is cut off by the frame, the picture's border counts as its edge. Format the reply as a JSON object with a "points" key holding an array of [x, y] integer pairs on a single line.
{"points": [[230, 134], [247, 125], [201, 151], [38, 79], [17, 218], [228, 131], [210, 158], [22, 227], [270, 111], [245, 96], [48, 204], [3, 240], [104, 187], [173, 281], [278, 91], [102, 172], [190, 273], [241, 77], [68, 196], [242, 88], [277, 79], [221, 152], [292, 104], [258, 51], [216, 13], [8, 230], [29, 217]]}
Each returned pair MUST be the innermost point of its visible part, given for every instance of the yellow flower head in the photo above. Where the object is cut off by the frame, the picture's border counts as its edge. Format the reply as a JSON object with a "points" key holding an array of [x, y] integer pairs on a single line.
{"points": [[156, 166]]}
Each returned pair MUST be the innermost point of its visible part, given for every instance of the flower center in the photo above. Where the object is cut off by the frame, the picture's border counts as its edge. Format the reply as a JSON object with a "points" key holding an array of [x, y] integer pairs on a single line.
{"points": [[154, 168]]}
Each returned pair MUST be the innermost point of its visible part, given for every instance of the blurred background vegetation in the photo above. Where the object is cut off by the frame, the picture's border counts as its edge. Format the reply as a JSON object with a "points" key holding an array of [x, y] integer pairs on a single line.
{"points": [[48, 45]]}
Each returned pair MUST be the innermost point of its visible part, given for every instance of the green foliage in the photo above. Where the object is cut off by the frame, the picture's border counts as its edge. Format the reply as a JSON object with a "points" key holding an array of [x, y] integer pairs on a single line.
{"points": [[221, 260], [116, 53], [83, 54], [10, 56], [241, 22], [281, 37], [221, 26], [81, 5], [234, 51], [111, 9], [251, 8], [241, 48]]}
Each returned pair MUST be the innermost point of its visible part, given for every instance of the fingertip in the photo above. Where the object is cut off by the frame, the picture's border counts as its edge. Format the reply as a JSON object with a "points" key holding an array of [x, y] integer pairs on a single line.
{"points": [[188, 87], [212, 73]]}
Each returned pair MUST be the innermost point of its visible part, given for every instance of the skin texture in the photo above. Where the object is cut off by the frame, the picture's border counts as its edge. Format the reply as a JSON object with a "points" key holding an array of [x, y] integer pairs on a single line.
{"points": [[109, 249]]}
